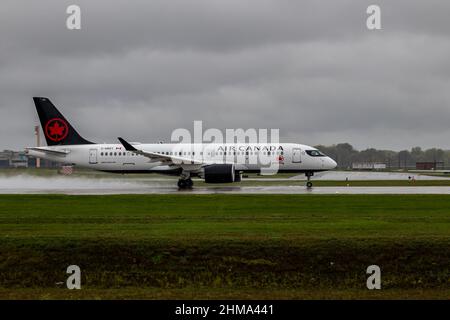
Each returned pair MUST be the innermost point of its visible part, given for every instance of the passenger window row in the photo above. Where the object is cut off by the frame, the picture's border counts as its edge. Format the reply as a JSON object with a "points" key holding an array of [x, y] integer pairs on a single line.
{"points": [[193, 153], [118, 154]]}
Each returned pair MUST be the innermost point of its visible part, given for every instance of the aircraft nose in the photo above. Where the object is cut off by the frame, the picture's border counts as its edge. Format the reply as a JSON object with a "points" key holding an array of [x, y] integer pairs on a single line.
{"points": [[331, 164]]}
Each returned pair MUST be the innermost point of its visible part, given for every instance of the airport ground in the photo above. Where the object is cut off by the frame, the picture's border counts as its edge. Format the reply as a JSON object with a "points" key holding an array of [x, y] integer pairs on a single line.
{"points": [[48, 181], [225, 246]]}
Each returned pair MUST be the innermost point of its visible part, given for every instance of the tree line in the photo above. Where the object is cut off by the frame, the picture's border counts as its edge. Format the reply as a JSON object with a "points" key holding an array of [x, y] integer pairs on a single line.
{"points": [[345, 155]]}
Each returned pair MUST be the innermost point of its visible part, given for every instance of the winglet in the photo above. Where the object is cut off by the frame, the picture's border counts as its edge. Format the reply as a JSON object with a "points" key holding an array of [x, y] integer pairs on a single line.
{"points": [[126, 145]]}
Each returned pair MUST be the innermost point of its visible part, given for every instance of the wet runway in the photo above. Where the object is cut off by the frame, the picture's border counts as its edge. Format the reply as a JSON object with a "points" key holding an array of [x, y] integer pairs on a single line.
{"points": [[368, 175], [237, 190], [101, 186]]}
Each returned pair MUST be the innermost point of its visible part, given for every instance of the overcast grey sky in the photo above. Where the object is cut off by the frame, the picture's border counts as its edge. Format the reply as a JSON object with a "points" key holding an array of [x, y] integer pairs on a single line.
{"points": [[140, 69]]}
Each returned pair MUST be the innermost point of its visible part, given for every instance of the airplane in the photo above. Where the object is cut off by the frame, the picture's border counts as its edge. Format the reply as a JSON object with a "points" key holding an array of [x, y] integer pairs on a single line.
{"points": [[213, 162]]}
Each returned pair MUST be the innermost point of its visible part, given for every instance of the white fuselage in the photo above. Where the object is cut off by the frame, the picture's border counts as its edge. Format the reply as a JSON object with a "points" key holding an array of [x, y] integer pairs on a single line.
{"points": [[246, 157]]}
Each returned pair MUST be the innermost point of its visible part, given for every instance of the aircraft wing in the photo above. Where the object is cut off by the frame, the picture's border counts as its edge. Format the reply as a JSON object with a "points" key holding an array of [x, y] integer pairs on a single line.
{"points": [[49, 151], [157, 157]]}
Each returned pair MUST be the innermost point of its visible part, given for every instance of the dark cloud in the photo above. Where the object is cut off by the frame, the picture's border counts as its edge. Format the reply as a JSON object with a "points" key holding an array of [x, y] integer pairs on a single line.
{"points": [[311, 68]]}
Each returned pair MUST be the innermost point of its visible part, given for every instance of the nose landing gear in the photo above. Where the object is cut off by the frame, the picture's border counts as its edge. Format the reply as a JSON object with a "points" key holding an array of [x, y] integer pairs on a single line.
{"points": [[309, 183]]}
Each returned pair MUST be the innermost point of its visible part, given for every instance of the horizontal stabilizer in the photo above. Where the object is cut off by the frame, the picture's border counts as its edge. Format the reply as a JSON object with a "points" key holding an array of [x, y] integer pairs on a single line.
{"points": [[49, 151]]}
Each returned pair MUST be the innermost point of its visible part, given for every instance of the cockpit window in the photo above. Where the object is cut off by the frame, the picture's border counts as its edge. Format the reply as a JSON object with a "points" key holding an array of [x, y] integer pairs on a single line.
{"points": [[315, 153]]}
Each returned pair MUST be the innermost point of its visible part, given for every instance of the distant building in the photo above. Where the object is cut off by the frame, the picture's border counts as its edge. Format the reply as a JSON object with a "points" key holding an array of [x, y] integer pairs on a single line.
{"points": [[19, 159], [433, 165], [368, 166], [13, 159], [4, 163]]}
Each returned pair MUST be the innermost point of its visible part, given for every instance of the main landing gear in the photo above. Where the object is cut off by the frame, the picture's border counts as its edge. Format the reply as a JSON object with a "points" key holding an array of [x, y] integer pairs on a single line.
{"points": [[185, 183], [308, 175]]}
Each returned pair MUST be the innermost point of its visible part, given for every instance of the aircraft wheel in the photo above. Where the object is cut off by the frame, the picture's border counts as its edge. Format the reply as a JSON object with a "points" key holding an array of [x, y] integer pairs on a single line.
{"points": [[189, 183], [182, 184], [309, 184]]}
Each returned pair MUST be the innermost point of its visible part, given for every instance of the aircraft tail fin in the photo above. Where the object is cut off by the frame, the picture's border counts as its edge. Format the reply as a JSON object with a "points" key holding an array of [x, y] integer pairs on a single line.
{"points": [[57, 130]]}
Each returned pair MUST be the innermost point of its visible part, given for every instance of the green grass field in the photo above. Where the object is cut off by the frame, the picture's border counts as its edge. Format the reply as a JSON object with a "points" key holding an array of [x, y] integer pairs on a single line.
{"points": [[225, 246]]}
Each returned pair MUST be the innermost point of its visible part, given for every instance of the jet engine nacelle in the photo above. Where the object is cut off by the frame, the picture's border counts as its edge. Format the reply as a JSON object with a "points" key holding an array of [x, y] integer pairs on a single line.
{"points": [[219, 173]]}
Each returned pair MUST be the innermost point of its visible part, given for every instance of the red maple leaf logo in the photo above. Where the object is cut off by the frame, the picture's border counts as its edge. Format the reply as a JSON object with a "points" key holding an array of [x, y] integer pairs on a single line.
{"points": [[281, 159], [56, 129]]}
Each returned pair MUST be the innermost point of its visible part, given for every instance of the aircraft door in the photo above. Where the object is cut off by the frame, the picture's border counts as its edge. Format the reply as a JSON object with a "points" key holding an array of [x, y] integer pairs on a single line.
{"points": [[93, 156], [296, 155]]}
